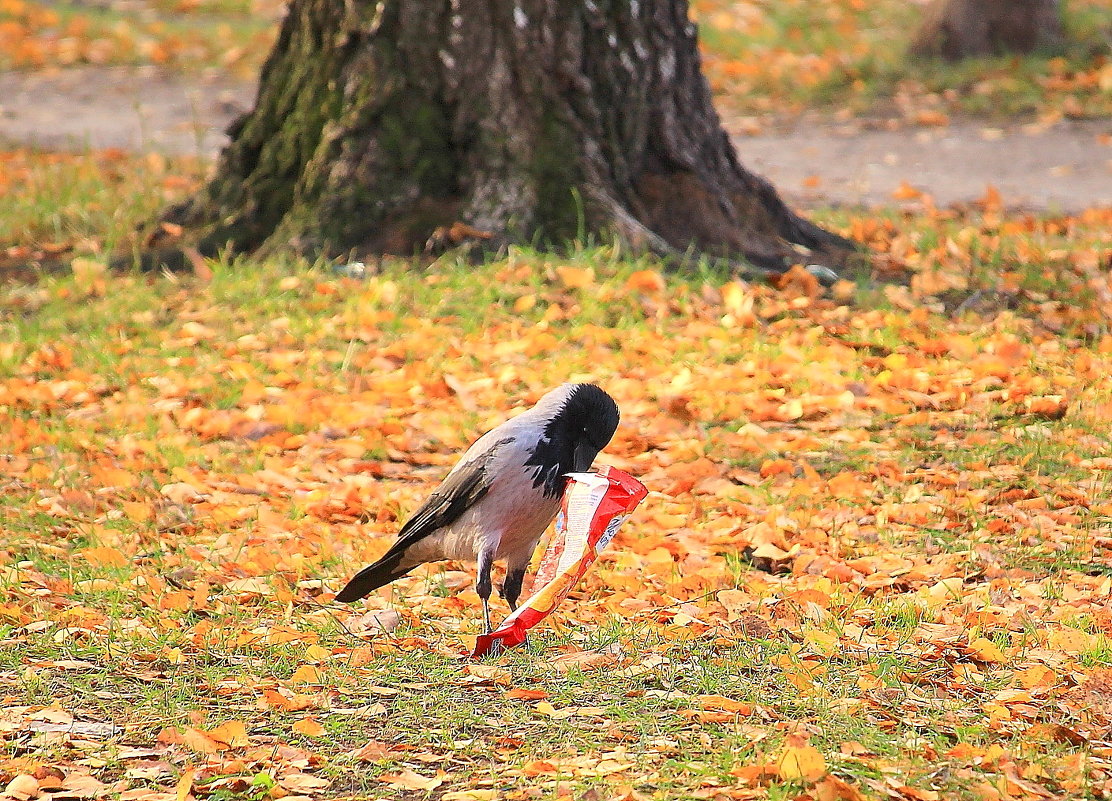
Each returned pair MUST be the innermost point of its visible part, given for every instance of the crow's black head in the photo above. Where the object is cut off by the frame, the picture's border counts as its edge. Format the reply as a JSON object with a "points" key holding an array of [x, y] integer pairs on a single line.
{"points": [[581, 420], [589, 417]]}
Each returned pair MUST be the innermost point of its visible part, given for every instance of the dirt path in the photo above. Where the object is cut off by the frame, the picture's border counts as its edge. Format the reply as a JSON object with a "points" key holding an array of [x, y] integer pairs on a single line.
{"points": [[141, 108], [1066, 166]]}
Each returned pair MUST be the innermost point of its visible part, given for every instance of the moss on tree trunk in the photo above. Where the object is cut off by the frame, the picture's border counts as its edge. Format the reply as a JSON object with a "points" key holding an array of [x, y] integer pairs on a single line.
{"points": [[381, 125]]}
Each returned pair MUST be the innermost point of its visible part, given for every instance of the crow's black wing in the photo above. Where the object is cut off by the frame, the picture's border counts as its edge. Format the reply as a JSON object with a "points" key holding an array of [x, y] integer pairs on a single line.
{"points": [[461, 490]]}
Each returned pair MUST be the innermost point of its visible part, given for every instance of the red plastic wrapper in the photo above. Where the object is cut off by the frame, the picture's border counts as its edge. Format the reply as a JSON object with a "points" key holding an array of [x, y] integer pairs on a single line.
{"points": [[595, 505]]}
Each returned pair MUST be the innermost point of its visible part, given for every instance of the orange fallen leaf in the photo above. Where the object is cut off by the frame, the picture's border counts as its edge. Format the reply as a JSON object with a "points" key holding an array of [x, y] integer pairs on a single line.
{"points": [[306, 674], [201, 742], [645, 281], [232, 733], [906, 191], [184, 788], [526, 694], [309, 727], [722, 704], [105, 557], [985, 650], [576, 277]]}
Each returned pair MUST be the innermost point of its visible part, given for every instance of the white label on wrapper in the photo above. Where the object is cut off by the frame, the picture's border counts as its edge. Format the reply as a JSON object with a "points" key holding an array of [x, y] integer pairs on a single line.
{"points": [[584, 496], [611, 530]]}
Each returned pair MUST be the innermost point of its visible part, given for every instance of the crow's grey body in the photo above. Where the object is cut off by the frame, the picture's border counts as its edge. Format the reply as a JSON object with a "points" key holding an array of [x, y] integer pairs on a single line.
{"points": [[500, 497]]}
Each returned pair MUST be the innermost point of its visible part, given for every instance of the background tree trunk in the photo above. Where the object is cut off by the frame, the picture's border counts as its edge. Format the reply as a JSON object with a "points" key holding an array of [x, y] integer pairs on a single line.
{"points": [[397, 125], [956, 29]]}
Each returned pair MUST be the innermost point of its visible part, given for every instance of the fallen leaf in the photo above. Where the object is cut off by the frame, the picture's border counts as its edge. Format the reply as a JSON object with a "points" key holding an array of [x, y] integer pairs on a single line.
{"points": [[22, 787], [799, 760], [410, 780], [309, 727]]}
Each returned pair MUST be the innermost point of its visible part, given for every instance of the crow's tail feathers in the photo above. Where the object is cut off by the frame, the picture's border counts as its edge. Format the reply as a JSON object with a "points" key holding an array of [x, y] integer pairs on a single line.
{"points": [[370, 578]]}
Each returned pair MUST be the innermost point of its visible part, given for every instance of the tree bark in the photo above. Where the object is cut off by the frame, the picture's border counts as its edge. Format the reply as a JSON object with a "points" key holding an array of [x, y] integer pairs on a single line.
{"points": [[957, 29], [396, 126]]}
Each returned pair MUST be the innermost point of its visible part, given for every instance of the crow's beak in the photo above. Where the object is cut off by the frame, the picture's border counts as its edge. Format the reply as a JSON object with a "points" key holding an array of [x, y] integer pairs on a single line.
{"points": [[583, 456]]}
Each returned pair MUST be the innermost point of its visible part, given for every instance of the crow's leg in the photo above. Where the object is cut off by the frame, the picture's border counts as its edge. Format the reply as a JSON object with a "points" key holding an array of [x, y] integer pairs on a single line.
{"points": [[511, 589], [482, 585]]}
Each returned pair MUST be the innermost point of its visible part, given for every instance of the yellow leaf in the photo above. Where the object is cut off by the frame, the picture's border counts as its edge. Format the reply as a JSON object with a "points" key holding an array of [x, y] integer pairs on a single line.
{"points": [[545, 708], [317, 653], [105, 557], [984, 650], [737, 298], [524, 304], [801, 761], [309, 727], [185, 784], [792, 410], [306, 674], [576, 277]]}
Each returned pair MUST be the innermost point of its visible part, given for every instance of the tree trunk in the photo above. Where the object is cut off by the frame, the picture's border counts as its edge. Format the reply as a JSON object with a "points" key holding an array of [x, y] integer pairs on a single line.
{"points": [[956, 29], [396, 126]]}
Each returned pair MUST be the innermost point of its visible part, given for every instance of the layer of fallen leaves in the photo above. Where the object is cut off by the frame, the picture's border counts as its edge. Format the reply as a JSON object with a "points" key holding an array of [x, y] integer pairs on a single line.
{"points": [[876, 560]]}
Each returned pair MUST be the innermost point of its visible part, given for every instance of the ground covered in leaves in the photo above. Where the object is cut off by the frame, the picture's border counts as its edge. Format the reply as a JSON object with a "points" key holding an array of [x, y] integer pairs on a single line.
{"points": [[876, 561]]}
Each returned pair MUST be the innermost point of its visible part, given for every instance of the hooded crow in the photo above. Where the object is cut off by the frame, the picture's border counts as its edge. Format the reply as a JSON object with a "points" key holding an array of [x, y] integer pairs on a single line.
{"points": [[500, 497]]}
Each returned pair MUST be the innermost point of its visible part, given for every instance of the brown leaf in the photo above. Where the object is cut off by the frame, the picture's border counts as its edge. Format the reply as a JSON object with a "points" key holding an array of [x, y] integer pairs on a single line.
{"points": [[372, 751], [488, 674], [831, 788], [410, 780]]}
